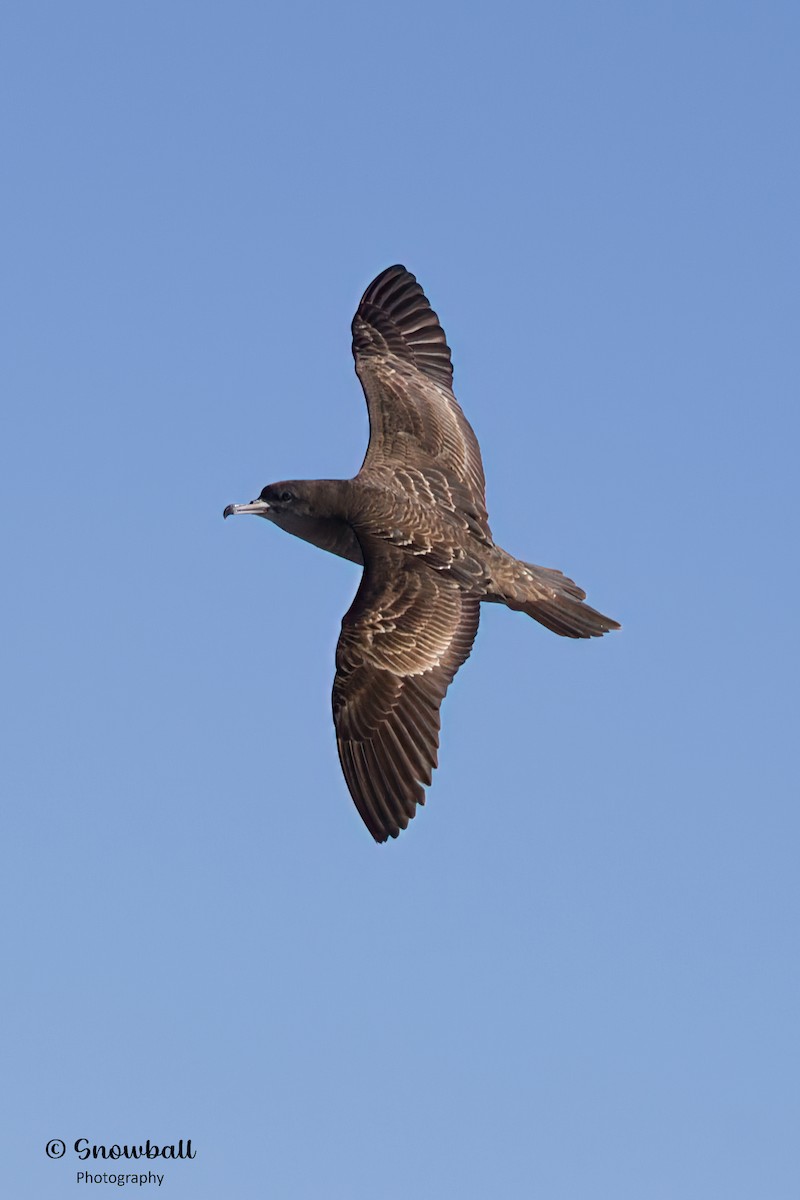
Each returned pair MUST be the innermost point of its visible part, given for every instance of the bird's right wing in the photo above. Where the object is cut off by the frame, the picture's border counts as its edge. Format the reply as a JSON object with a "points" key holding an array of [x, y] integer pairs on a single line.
{"points": [[406, 634], [403, 361]]}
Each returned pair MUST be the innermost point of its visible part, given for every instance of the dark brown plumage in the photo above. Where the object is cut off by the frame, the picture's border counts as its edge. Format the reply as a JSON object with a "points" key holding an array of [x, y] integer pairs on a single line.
{"points": [[415, 516]]}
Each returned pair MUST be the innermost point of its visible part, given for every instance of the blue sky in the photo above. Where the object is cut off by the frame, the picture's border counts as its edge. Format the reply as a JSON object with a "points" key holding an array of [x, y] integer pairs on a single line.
{"points": [[576, 975]]}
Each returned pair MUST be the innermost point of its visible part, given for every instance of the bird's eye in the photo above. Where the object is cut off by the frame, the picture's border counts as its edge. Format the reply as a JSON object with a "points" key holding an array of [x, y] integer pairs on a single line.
{"points": [[286, 497]]}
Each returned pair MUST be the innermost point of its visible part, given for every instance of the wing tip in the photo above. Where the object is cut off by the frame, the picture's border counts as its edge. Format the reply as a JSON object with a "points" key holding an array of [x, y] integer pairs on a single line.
{"points": [[394, 316]]}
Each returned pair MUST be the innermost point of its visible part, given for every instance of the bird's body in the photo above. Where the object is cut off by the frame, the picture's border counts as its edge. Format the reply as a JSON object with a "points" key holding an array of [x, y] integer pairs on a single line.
{"points": [[415, 517]]}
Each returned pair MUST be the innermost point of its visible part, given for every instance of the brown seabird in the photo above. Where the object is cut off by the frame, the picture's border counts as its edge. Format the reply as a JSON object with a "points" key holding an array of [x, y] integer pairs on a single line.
{"points": [[415, 517]]}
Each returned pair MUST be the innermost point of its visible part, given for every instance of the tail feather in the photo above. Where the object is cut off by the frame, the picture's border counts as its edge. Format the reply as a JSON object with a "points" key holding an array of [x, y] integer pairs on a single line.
{"points": [[556, 602]]}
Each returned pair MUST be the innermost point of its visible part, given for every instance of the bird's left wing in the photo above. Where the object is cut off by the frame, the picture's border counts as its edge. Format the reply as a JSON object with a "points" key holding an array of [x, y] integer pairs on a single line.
{"points": [[403, 361], [406, 634]]}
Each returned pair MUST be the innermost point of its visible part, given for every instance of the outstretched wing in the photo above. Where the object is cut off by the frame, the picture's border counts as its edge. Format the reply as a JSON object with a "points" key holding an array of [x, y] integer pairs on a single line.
{"points": [[403, 362], [408, 631]]}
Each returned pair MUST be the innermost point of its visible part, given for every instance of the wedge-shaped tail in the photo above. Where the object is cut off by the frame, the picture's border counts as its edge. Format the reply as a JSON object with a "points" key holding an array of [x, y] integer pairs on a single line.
{"points": [[551, 599]]}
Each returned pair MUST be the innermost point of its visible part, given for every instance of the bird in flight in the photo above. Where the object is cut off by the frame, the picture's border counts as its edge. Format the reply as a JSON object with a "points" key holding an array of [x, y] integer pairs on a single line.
{"points": [[415, 517]]}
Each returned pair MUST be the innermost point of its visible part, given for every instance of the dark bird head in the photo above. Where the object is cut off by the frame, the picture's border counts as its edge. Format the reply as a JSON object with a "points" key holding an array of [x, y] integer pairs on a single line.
{"points": [[279, 502]]}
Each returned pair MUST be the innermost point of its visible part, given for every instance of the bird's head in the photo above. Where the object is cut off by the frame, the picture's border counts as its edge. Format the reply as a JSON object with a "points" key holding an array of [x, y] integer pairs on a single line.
{"points": [[278, 502]]}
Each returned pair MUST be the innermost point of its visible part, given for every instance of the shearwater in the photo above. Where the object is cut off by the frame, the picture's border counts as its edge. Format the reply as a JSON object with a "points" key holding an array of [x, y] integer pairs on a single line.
{"points": [[415, 517]]}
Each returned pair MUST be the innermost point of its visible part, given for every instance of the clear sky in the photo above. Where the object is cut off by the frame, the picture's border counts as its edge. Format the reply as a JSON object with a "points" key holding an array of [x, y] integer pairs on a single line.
{"points": [[576, 974]]}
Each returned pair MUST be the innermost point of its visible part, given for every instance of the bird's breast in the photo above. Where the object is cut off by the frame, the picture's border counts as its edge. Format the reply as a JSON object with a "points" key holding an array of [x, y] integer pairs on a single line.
{"points": [[328, 533]]}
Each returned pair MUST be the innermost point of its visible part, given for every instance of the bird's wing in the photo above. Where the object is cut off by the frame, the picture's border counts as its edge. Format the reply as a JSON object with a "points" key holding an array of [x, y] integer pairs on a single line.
{"points": [[408, 631], [403, 362]]}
